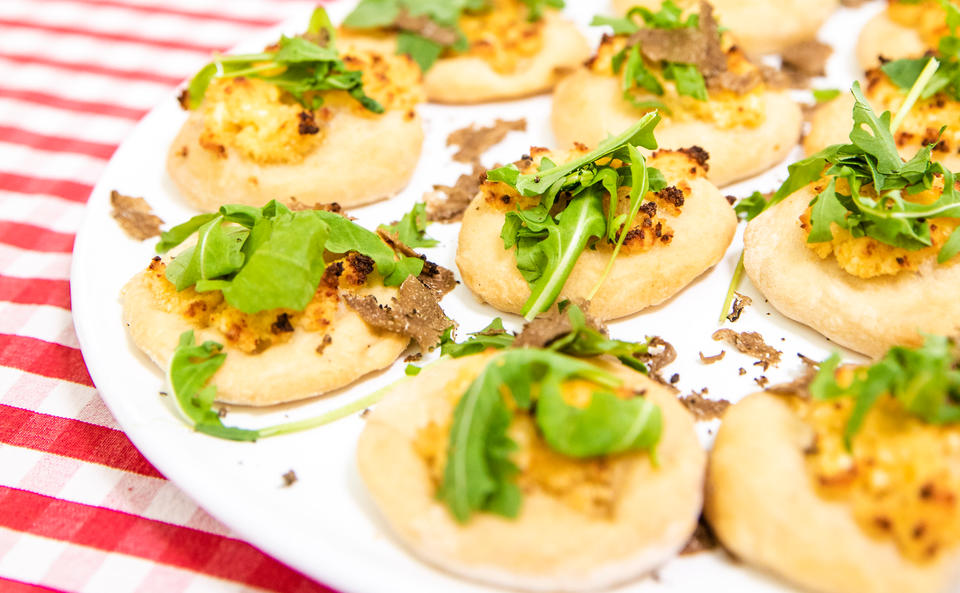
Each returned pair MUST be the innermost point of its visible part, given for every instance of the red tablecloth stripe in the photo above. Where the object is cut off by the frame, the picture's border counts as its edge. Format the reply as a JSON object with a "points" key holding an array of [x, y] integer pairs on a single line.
{"points": [[75, 105], [43, 358], [142, 75], [35, 238], [72, 438], [124, 533], [56, 143], [61, 188], [172, 10], [35, 291], [194, 46], [10, 586]]}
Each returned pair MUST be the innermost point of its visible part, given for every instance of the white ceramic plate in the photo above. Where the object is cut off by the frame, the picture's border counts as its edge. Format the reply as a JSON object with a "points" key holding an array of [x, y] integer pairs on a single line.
{"points": [[325, 524]]}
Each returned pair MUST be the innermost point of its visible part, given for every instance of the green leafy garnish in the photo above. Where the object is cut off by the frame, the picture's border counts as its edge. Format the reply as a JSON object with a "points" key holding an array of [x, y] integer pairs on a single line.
{"points": [[824, 95], [905, 73], [479, 475], [191, 369], [428, 28], [925, 380], [636, 75], [411, 229], [870, 159], [298, 66], [581, 340], [271, 257], [751, 206], [548, 243]]}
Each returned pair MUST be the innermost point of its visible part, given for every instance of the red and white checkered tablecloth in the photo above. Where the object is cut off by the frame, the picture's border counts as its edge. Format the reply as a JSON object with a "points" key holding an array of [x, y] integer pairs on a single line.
{"points": [[80, 508]]}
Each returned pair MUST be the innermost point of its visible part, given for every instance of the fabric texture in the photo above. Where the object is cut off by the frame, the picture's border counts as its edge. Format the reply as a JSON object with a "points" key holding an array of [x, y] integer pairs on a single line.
{"points": [[81, 510]]}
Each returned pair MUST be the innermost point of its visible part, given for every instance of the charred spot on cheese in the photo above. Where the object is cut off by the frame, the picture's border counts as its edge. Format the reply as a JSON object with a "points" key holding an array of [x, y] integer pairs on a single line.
{"points": [[264, 124], [898, 479], [866, 257]]}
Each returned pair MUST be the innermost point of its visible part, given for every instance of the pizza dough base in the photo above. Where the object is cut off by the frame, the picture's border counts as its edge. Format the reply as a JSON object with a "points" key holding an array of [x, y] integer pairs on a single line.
{"points": [[702, 233], [831, 124], [588, 107], [467, 79], [352, 165], [760, 26], [282, 373], [762, 505], [866, 315], [549, 547], [884, 37]]}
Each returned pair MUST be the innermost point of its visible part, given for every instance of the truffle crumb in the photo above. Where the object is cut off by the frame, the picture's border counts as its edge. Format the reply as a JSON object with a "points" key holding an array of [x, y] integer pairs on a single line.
{"points": [[474, 141], [750, 343], [712, 359], [703, 408], [135, 216], [289, 478]]}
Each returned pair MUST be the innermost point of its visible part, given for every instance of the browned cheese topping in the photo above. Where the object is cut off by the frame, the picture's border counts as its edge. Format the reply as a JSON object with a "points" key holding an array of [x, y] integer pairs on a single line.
{"points": [[135, 216], [866, 257], [926, 17], [923, 122], [266, 125], [651, 227], [254, 333], [735, 85], [503, 37], [901, 478], [590, 486]]}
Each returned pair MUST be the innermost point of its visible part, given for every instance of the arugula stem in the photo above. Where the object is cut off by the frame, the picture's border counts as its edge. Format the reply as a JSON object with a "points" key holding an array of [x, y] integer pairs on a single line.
{"points": [[734, 284], [328, 417], [928, 71]]}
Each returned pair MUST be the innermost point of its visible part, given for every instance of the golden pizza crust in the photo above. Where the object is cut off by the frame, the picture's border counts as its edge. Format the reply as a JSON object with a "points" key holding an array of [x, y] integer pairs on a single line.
{"points": [[702, 233], [882, 36], [588, 107], [283, 372], [866, 315], [352, 165], [550, 546], [760, 26], [763, 507]]}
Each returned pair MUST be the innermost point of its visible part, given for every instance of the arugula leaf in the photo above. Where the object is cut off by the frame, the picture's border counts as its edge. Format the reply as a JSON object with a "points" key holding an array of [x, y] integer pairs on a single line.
{"points": [[492, 336], [535, 8], [271, 257], [425, 52], [751, 206], [298, 66], [925, 380], [824, 95], [371, 14], [549, 244], [620, 25], [827, 209], [411, 228], [479, 475], [951, 248], [688, 79], [191, 368]]}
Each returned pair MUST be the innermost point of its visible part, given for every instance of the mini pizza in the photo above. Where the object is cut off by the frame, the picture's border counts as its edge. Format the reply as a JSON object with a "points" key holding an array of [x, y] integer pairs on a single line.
{"points": [[849, 482], [546, 227], [760, 26], [860, 245], [931, 121], [707, 91], [532, 469], [485, 51], [300, 303], [299, 121], [906, 29]]}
